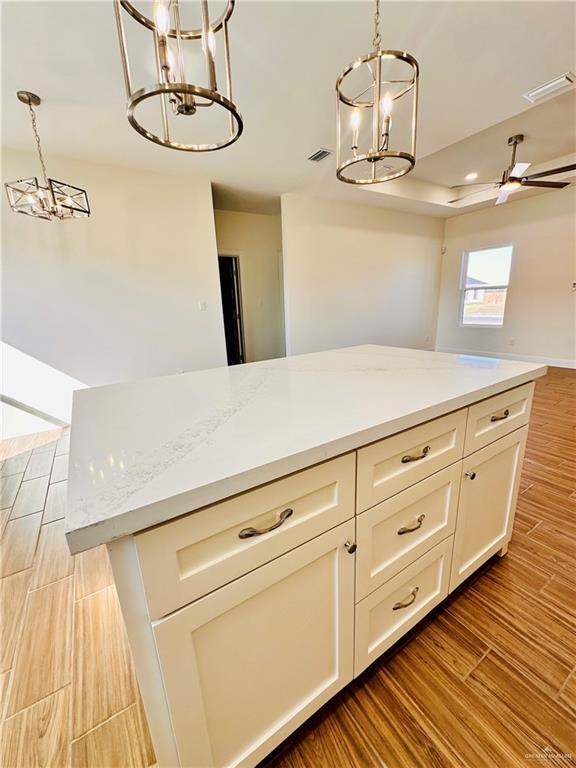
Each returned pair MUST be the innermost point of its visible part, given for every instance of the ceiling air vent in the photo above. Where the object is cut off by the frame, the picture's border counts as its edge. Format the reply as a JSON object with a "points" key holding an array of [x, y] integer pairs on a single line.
{"points": [[543, 91], [319, 154]]}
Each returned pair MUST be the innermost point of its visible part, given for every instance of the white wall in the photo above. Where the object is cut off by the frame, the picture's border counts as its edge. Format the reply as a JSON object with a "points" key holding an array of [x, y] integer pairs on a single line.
{"points": [[355, 274], [539, 320], [120, 295], [257, 240]]}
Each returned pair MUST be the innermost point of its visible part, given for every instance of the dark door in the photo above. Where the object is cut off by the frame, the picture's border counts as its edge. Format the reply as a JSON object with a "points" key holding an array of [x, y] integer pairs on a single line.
{"points": [[232, 308]]}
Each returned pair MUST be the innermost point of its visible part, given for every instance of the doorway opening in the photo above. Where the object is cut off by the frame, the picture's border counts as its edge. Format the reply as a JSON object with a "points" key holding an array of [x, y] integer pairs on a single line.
{"points": [[229, 267]]}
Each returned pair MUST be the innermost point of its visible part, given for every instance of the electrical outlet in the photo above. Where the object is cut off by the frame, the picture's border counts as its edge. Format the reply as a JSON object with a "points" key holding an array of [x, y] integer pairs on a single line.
{"points": [[202, 306]]}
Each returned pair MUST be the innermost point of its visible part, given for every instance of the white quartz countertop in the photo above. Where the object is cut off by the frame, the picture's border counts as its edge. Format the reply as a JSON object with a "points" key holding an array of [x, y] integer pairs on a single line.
{"points": [[148, 451]]}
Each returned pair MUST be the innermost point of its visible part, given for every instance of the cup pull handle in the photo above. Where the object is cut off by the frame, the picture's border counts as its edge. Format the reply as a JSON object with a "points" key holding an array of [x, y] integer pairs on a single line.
{"points": [[503, 415], [408, 601], [411, 528], [425, 451], [247, 533]]}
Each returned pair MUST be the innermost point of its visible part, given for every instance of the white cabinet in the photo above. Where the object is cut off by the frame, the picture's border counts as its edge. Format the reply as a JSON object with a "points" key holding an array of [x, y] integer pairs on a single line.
{"points": [[488, 493], [396, 532], [389, 612], [248, 663]]}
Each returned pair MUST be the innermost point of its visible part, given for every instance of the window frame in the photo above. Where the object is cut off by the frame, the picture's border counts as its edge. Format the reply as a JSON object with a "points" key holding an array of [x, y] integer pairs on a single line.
{"points": [[463, 289]]}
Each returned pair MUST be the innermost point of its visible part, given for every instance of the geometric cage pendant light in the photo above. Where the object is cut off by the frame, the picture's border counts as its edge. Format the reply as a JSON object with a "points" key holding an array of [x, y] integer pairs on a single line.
{"points": [[376, 115], [52, 200], [184, 107]]}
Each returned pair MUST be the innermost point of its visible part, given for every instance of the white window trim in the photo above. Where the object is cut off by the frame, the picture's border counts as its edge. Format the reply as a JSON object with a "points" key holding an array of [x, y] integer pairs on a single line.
{"points": [[463, 288]]}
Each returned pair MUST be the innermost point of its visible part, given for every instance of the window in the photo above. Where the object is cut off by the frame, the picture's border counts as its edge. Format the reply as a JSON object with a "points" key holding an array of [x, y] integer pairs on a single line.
{"points": [[485, 279]]}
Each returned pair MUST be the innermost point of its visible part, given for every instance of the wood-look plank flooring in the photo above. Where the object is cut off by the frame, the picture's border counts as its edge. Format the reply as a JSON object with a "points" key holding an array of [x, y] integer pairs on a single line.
{"points": [[488, 680]]}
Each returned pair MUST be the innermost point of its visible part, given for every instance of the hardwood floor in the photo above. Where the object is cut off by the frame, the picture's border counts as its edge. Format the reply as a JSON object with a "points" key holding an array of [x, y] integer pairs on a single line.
{"points": [[489, 680]]}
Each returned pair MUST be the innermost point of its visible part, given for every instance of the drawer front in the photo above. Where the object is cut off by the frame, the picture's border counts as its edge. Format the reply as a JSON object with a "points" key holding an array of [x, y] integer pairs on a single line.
{"points": [[497, 416], [396, 532], [189, 557], [389, 612], [395, 463]]}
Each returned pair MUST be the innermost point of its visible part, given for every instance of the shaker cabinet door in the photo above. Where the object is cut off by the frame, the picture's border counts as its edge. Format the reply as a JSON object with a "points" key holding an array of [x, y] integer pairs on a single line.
{"points": [[247, 664], [488, 494]]}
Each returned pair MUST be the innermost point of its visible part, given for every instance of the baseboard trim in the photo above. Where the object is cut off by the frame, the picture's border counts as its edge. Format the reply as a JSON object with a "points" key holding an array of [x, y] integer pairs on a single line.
{"points": [[552, 361]]}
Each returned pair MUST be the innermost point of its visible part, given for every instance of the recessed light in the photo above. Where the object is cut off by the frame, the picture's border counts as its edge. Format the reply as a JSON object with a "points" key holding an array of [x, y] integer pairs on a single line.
{"points": [[547, 89], [471, 176]]}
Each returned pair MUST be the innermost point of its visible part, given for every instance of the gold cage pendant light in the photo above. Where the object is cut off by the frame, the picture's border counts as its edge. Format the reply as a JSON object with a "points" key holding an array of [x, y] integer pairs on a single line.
{"points": [[376, 111], [52, 200], [180, 103]]}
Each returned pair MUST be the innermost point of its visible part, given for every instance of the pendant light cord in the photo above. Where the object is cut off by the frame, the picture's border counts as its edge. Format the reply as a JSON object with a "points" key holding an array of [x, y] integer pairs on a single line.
{"points": [[377, 37], [37, 137]]}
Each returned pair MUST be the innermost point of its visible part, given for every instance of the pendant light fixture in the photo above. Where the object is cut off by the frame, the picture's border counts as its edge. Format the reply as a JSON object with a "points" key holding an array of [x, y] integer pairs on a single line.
{"points": [[52, 200], [376, 112], [172, 111]]}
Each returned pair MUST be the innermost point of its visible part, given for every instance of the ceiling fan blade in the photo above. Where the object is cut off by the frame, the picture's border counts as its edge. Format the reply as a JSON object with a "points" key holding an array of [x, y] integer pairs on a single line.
{"points": [[563, 169], [519, 170], [502, 197], [474, 184], [550, 184], [463, 197]]}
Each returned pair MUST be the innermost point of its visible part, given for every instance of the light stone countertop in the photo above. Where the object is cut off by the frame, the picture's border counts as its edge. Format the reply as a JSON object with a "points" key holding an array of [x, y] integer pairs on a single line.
{"points": [[148, 451]]}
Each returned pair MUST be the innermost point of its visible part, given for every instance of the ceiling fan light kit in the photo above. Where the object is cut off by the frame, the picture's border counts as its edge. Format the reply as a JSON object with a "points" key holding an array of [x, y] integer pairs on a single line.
{"points": [[375, 94], [178, 99], [52, 200]]}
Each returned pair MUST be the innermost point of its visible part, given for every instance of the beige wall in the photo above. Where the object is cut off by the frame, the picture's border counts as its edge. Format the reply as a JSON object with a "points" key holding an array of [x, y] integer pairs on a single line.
{"points": [[355, 274], [257, 240], [131, 292], [539, 319]]}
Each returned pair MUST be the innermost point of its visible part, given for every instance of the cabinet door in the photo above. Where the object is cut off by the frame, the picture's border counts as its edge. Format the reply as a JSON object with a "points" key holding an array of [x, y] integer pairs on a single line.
{"points": [[246, 665], [488, 493]]}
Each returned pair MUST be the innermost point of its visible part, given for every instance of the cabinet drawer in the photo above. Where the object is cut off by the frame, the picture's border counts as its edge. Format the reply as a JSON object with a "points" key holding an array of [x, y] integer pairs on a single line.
{"points": [[189, 557], [244, 666], [396, 532], [488, 494], [397, 462], [495, 417], [385, 615]]}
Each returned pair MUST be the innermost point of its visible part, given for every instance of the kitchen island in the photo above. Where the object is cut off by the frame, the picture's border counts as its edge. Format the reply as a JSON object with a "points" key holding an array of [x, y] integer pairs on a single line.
{"points": [[274, 527]]}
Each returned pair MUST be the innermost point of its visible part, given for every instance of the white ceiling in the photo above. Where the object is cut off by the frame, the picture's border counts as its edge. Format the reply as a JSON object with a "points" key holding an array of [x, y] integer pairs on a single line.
{"points": [[476, 59]]}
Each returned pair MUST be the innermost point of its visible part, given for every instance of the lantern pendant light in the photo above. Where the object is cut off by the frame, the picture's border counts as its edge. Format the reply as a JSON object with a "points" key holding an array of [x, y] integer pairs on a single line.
{"points": [[376, 113], [53, 200], [172, 111]]}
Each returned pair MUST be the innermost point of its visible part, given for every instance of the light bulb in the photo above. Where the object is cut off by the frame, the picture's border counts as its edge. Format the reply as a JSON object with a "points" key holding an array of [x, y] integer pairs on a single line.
{"points": [[387, 105], [355, 123], [211, 43], [511, 186], [162, 18], [69, 202], [30, 199]]}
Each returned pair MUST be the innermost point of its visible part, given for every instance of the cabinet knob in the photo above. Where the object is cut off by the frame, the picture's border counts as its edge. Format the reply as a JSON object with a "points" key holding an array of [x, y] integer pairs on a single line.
{"points": [[350, 546], [471, 475]]}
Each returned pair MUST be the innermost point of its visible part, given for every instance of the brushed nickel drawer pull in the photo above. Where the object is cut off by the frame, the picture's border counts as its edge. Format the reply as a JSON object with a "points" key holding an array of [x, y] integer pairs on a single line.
{"points": [[351, 547], [504, 415], [411, 528], [471, 475], [408, 601], [425, 451], [247, 533]]}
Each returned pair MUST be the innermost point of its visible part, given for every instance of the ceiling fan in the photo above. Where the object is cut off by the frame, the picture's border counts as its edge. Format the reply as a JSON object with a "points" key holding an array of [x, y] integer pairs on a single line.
{"points": [[513, 177]]}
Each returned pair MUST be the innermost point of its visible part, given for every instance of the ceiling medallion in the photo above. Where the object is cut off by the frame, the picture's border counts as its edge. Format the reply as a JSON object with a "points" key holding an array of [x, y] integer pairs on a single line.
{"points": [[54, 200], [167, 110], [374, 95]]}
